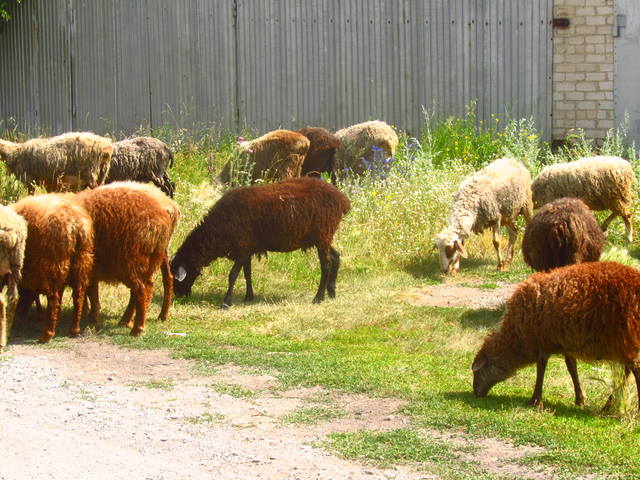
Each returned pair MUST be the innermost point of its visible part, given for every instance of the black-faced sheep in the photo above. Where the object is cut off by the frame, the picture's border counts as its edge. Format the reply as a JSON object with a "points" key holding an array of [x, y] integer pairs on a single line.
{"points": [[142, 159], [603, 183], [133, 223], [59, 252], [321, 155], [494, 196], [274, 156], [280, 217], [587, 311], [71, 161], [13, 237], [364, 144], [561, 233]]}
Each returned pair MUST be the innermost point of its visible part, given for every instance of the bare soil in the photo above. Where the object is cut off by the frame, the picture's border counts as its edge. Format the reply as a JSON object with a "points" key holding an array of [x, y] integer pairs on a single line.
{"points": [[95, 411], [452, 294]]}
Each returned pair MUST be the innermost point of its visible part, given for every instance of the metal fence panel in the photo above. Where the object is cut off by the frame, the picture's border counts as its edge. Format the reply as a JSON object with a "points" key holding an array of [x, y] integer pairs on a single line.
{"points": [[118, 65]]}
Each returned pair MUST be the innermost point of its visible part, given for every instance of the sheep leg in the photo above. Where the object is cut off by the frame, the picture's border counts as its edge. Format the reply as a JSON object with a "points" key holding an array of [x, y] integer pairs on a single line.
{"points": [[54, 302], [142, 292], [78, 305], [127, 316], [628, 228], [333, 274], [573, 371], [94, 298], [325, 271], [541, 365], [167, 284], [4, 328], [246, 268], [496, 245], [607, 221], [233, 275], [513, 235], [636, 374]]}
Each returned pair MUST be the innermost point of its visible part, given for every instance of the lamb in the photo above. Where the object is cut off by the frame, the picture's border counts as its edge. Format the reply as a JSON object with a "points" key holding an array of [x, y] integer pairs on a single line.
{"points": [[59, 252], [70, 161], [364, 143], [142, 159], [281, 217], [321, 155], [274, 156], [133, 223], [494, 196], [587, 311], [13, 237], [603, 183], [562, 232]]}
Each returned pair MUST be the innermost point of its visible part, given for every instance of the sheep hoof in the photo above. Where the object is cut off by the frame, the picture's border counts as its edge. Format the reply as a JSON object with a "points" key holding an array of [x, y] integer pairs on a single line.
{"points": [[137, 331], [248, 298], [74, 333], [536, 403], [317, 300], [45, 337], [126, 323], [224, 306], [580, 401]]}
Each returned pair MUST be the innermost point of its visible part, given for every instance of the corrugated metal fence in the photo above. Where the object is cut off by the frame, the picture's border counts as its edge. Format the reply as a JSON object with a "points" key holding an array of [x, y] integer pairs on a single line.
{"points": [[116, 65]]}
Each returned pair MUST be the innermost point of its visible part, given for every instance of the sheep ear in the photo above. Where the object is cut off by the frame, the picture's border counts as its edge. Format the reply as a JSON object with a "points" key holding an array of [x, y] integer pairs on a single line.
{"points": [[181, 274], [479, 364], [460, 248]]}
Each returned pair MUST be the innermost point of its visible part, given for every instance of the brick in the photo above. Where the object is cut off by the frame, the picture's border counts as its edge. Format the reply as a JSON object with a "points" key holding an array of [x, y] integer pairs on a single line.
{"points": [[606, 85], [596, 76], [585, 123], [559, 114], [593, 39], [575, 77], [565, 106], [576, 40], [586, 30], [595, 96], [559, 96], [603, 29], [571, 115], [595, 58], [576, 96], [596, 20], [564, 68], [586, 87], [584, 11], [605, 105], [586, 105], [564, 87], [605, 124], [575, 58]]}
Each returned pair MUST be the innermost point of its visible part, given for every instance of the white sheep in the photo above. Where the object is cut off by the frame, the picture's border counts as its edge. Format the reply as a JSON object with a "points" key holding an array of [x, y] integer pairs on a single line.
{"points": [[364, 143], [142, 159], [603, 183], [13, 238], [73, 160], [494, 196]]}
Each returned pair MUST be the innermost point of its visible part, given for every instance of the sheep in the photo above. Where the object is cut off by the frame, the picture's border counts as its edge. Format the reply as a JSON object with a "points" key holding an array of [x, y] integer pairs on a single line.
{"points": [[494, 196], [73, 160], [587, 311], [59, 252], [603, 183], [142, 159], [321, 155], [274, 156], [13, 237], [364, 143], [280, 217], [562, 232], [133, 223]]}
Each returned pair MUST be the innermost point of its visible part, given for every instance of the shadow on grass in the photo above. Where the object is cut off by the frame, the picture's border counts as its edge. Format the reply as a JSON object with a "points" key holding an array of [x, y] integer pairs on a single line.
{"points": [[214, 300], [480, 319], [428, 268]]}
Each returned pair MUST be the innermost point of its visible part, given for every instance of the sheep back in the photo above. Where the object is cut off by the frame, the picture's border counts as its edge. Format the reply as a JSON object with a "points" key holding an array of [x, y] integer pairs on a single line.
{"points": [[360, 141], [603, 183], [141, 159], [562, 232], [321, 155], [276, 155], [133, 224]]}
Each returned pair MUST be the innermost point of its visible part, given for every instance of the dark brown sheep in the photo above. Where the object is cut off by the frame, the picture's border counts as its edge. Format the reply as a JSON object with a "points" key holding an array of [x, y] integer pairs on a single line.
{"points": [[561, 233], [280, 217], [321, 155], [587, 311], [133, 224]]}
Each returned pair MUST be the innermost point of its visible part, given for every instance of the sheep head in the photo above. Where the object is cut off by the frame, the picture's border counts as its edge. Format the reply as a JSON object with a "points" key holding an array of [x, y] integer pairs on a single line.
{"points": [[184, 277], [486, 373], [451, 249]]}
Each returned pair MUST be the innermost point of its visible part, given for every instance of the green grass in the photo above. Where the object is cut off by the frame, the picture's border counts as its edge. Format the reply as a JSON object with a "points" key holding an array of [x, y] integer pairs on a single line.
{"points": [[235, 391], [313, 414], [370, 339], [205, 418], [155, 384]]}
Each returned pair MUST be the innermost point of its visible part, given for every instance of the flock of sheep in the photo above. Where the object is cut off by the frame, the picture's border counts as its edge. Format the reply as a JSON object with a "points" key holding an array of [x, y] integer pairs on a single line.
{"points": [[119, 232]]}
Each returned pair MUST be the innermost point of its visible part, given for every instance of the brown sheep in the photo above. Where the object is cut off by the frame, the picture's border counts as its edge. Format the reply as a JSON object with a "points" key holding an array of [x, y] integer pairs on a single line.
{"points": [[280, 217], [322, 150], [133, 224], [59, 252], [561, 233], [587, 311], [71, 161], [364, 144], [274, 156], [13, 237]]}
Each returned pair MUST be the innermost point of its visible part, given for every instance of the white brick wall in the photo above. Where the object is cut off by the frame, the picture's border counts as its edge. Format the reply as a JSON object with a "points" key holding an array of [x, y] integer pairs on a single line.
{"points": [[583, 68]]}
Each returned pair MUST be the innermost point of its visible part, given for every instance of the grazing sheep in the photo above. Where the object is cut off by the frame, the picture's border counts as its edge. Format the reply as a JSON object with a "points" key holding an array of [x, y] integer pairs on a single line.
{"points": [[133, 224], [142, 159], [492, 197], [587, 311], [280, 217], [59, 252], [322, 150], [364, 143], [603, 183], [70, 161], [562, 232], [13, 237], [274, 156]]}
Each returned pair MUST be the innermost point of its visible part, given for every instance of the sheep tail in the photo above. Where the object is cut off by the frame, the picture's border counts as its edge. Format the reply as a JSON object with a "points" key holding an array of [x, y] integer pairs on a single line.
{"points": [[170, 159], [7, 148]]}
